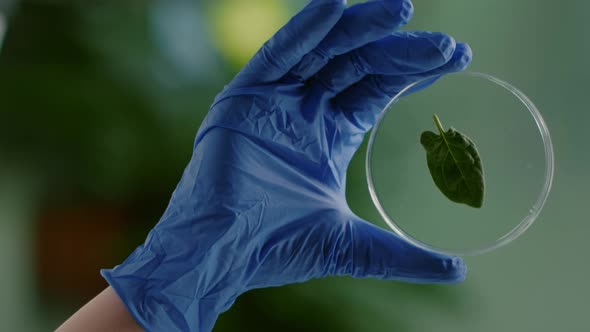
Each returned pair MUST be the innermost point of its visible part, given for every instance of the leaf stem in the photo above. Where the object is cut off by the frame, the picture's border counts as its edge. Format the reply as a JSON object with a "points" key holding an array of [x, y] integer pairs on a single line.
{"points": [[438, 125]]}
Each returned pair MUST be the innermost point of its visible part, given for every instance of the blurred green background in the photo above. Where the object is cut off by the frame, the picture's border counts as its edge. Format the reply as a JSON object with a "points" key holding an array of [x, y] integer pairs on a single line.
{"points": [[99, 104]]}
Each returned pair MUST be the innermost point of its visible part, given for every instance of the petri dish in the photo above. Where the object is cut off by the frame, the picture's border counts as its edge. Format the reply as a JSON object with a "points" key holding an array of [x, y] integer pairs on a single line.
{"points": [[514, 145]]}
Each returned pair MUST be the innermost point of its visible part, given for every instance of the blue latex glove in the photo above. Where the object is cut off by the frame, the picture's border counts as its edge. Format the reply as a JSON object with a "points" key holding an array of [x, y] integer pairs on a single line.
{"points": [[262, 201]]}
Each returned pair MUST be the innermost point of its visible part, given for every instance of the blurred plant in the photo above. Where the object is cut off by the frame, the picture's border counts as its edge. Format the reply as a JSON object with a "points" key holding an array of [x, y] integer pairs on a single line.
{"points": [[84, 113], [3, 23], [6, 8], [80, 103]]}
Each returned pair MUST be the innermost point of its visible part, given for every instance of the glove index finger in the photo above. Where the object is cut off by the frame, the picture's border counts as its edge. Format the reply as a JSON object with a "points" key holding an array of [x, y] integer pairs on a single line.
{"points": [[288, 46], [363, 102]]}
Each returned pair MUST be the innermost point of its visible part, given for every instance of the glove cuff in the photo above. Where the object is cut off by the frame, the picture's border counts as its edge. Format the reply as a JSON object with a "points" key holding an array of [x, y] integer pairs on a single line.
{"points": [[145, 289]]}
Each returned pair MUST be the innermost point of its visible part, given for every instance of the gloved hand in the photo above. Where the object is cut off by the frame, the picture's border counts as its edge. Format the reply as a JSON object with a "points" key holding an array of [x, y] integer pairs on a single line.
{"points": [[262, 201]]}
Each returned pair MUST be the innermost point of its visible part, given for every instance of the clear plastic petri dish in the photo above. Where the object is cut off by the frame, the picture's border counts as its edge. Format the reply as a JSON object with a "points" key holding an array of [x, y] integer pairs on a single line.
{"points": [[514, 145]]}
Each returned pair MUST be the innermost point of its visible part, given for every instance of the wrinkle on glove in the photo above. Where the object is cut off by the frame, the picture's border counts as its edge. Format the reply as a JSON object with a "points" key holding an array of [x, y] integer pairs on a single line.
{"points": [[262, 201]]}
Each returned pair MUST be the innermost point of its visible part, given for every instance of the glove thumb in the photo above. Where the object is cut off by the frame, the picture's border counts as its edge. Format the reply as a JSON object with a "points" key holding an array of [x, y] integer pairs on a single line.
{"points": [[372, 252]]}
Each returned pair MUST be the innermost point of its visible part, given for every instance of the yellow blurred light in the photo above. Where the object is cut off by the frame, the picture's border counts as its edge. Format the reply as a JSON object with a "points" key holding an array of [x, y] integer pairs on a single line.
{"points": [[241, 27]]}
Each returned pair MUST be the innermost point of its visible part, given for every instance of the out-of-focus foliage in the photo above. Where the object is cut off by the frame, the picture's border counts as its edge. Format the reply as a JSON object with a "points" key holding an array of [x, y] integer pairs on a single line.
{"points": [[99, 104]]}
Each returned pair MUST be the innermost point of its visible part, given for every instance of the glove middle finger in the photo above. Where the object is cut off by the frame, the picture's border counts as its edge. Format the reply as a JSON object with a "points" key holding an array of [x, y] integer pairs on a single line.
{"points": [[359, 25]]}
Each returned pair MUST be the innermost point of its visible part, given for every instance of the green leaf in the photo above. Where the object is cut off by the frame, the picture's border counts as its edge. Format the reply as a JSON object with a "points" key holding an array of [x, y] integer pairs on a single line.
{"points": [[455, 165]]}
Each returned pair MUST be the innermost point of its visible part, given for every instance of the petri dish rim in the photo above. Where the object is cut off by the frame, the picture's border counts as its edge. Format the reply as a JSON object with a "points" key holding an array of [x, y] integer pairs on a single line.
{"points": [[534, 211]]}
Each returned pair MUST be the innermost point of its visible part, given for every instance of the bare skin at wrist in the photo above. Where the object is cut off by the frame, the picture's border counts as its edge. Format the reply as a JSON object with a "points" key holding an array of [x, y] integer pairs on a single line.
{"points": [[105, 312]]}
